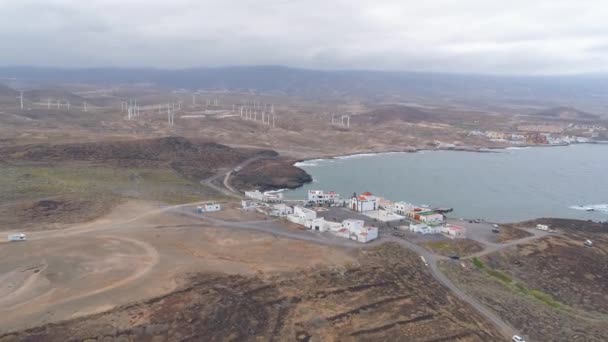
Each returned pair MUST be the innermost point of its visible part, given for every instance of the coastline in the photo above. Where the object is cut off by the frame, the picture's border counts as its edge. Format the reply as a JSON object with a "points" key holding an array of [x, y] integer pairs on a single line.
{"points": [[472, 149], [306, 163], [298, 176]]}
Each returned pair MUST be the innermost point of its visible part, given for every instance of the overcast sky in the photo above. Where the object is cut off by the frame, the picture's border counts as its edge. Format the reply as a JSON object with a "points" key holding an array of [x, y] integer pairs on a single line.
{"points": [[487, 36]]}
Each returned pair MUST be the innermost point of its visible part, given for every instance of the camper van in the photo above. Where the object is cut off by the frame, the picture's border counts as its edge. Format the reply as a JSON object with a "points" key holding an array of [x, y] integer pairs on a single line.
{"points": [[16, 237]]}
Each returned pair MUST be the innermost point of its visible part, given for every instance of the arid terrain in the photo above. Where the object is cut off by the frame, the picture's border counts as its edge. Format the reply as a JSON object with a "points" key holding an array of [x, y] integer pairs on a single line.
{"points": [[554, 289], [382, 294], [116, 252]]}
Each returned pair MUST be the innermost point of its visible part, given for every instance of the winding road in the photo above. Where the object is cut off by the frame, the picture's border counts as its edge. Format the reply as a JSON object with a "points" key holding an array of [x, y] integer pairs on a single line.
{"points": [[276, 228], [432, 259], [227, 189]]}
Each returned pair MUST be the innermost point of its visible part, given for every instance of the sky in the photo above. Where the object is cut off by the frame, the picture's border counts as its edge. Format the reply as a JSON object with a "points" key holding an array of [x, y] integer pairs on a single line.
{"points": [[480, 36]]}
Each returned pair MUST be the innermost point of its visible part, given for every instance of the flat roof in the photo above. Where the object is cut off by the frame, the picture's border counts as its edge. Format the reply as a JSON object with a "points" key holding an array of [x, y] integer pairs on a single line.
{"points": [[427, 213]]}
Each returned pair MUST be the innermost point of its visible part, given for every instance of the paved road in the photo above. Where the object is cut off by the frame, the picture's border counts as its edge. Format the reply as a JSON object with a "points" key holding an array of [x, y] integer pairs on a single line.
{"points": [[327, 239], [432, 259], [271, 227]]}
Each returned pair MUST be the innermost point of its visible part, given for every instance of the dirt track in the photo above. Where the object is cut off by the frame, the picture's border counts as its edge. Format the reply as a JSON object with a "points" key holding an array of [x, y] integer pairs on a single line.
{"points": [[88, 268]]}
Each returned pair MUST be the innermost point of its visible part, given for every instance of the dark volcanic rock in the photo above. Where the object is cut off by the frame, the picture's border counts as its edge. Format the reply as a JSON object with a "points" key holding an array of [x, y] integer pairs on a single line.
{"points": [[270, 174], [195, 160]]}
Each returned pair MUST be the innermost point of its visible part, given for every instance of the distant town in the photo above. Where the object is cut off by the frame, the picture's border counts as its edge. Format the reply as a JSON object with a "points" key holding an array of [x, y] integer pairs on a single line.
{"points": [[546, 134], [311, 213]]}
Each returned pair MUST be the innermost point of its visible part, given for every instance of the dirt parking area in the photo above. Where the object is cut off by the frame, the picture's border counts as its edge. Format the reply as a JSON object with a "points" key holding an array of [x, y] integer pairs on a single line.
{"points": [[385, 295], [140, 250]]}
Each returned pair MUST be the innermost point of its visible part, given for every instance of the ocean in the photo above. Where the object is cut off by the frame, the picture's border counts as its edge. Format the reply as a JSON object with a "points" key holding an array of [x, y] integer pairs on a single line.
{"points": [[507, 186]]}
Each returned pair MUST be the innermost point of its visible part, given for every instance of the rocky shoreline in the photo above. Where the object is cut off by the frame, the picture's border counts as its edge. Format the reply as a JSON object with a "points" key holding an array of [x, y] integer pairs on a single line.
{"points": [[284, 172], [270, 174]]}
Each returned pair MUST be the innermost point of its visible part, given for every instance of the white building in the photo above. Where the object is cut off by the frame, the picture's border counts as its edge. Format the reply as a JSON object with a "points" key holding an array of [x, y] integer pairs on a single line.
{"points": [[356, 230], [280, 209], [322, 197], [302, 216], [351, 224], [364, 234], [268, 196], [542, 227], [454, 231], [422, 228], [430, 217], [404, 208], [317, 224], [364, 202], [249, 205], [304, 213], [208, 207]]}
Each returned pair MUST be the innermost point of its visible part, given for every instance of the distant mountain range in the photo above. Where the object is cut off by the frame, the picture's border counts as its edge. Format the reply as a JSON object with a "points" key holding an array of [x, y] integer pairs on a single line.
{"points": [[589, 92], [565, 112]]}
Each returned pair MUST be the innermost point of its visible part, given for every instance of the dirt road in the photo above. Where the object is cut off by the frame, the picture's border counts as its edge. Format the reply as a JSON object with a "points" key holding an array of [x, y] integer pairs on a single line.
{"points": [[271, 227], [227, 189]]}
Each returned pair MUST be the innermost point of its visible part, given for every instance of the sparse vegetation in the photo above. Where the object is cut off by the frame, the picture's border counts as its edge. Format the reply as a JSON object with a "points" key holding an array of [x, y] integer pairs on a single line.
{"points": [[500, 276], [478, 263], [30, 181], [460, 247], [518, 286]]}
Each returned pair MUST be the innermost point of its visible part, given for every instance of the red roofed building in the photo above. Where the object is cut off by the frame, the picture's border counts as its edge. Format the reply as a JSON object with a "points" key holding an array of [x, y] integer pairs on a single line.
{"points": [[364, 202]]}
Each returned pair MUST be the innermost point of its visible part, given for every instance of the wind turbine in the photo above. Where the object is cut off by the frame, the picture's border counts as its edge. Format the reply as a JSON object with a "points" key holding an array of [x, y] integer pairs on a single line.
{"points": [[21, 98]]}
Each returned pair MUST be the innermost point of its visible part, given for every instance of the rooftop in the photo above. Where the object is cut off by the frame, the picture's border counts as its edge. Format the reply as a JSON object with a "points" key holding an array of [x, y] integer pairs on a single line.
{"points": [[428, 213]]}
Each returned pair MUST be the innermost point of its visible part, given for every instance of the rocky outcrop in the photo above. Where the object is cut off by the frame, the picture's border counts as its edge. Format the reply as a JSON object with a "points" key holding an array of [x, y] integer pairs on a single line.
{"points": [[270, 174]]}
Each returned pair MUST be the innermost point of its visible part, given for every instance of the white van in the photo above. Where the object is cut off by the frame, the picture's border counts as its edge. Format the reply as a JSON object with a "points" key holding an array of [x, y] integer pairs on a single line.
{"points": [[517, 339], [16, 237]]}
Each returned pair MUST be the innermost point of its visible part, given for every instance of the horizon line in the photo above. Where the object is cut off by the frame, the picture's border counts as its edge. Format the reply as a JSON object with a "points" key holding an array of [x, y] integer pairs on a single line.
{"points": [[296, 68]]}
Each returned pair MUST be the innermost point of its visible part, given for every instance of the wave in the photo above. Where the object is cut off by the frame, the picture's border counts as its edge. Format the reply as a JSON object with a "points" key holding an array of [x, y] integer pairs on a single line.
{"points": [[517, 148], [591, 207], [360, 155], [309, 163]]}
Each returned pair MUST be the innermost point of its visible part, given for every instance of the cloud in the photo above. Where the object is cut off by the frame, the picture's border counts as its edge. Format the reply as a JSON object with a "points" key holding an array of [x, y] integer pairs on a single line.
{"points": [[517, 36]]}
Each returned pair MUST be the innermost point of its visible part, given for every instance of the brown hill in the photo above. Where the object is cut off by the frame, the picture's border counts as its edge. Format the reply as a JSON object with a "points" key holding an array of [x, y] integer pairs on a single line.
{"points": [[394, 113], [43, 95], [567, 113], [7, 91], [192, 159], [8, 95]]}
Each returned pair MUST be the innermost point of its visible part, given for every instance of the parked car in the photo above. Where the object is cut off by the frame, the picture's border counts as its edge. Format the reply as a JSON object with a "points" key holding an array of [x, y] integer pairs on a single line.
{"points": [[517, 339], [454, 257]]}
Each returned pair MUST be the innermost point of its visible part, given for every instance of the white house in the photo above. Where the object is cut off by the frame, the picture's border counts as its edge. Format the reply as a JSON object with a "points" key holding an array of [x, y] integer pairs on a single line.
{"points": [[322, 197], [430, 217], [208, 207], [542, 227], [351, 224], [280, 209], [356, 230], [422, 228], [404, 208], [364, 234], [386, 204], [304, 213], [364, 202], [454, 231], [302, 216], [317, 224]]}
